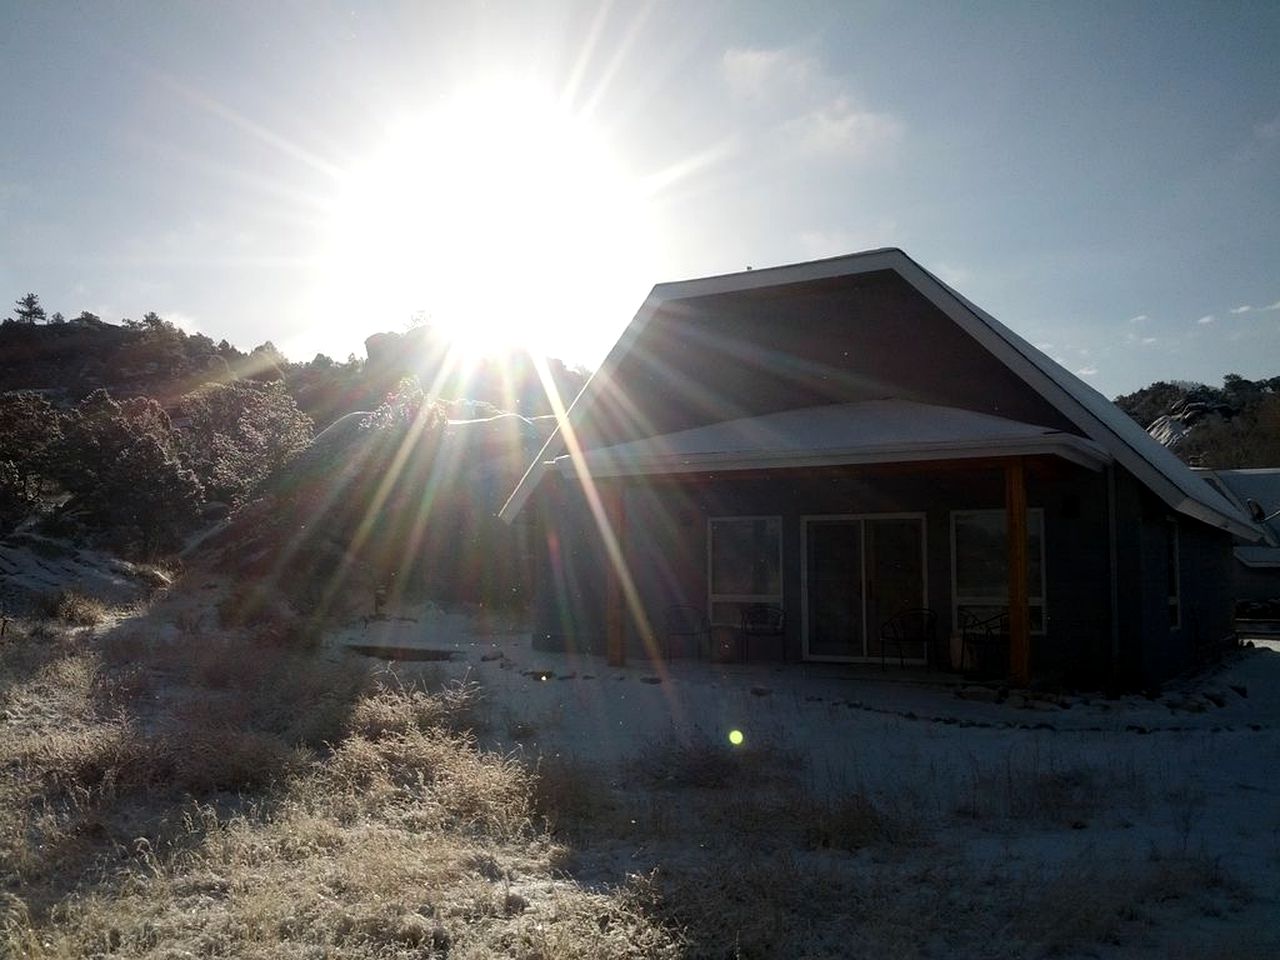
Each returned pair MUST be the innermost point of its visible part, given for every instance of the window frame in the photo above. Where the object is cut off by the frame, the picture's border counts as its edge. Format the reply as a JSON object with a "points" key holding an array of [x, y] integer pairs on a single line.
{"points": [[712, 597], [1173, 572], [1040, 602]]}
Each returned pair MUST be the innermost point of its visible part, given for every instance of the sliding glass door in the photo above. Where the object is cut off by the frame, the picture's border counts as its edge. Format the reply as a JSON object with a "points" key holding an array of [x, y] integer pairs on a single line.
{"points": [[857, 572]]}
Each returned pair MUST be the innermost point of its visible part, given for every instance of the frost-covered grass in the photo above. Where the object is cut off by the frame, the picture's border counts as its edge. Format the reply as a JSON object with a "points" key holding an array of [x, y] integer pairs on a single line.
{"points": [[172, 793], [172, 785]]}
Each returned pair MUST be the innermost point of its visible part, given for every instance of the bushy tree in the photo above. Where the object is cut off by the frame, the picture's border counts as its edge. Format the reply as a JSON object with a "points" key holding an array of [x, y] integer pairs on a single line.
{"points": [[121, 464], [30, 431], [236, 434]]}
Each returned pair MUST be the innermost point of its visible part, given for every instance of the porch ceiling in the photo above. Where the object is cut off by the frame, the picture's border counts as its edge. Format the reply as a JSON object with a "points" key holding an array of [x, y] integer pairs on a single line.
{"points": [[876, 431]]}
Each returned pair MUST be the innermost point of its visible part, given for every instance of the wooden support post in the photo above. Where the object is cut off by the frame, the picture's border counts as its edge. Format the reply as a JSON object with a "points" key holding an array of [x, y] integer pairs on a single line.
{"points": [[1015, 504], [614, 619]]}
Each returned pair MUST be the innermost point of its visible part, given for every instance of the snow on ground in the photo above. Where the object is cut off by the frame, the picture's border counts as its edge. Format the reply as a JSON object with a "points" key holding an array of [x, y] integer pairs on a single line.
{"points": [[32, 565], [1133, 779]]}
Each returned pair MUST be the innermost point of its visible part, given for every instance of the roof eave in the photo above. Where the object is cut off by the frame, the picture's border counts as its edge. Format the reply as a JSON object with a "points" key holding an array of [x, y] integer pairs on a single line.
{"points": [[1073, 449]]}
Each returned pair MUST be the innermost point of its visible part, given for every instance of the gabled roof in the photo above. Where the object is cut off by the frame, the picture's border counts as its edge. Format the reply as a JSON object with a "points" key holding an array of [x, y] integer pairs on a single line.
{"points": [[837, 434], [1093, 414]]}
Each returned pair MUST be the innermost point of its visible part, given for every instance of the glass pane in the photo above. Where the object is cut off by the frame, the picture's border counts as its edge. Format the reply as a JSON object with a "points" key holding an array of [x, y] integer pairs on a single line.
{"points": [[833, 570], [895, 573], [745, 557], [982, 559]]}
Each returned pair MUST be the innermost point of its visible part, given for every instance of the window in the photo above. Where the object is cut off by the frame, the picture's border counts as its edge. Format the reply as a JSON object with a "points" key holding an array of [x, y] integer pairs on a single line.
{"points": [[1173, 574], [980, 565], [744, 560]]}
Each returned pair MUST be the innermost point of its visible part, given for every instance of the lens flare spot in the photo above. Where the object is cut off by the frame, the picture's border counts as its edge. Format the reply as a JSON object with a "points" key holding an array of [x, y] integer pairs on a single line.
{"points": [[736, 737]]}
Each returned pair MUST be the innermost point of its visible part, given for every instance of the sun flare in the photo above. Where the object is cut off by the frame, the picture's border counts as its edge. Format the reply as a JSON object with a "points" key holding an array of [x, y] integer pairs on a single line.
{"points": [[502, 217]]}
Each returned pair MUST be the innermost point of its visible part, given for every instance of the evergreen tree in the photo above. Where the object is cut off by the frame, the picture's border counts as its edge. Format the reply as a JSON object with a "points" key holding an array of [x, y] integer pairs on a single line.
{"points": [[27, 309]]}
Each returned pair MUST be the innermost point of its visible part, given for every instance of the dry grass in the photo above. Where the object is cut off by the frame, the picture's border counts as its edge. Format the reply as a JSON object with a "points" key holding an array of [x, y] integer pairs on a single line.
{"points": [[1033, 783], [224, 795], [74, 608], [1089, 901], [249, 800], [571, 797], [702, 763]]}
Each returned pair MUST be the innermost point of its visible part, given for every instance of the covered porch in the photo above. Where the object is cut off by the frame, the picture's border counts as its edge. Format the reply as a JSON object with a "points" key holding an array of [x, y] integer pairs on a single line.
{"points": [[843, 518]]}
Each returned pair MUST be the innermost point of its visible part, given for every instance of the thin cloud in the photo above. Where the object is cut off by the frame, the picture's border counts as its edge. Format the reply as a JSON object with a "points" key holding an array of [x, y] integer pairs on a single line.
{"points": [[1243, 308], [811, 109], [1147, 341], [1207, 319], [842, 128], [1271, 306], [1086, 371], [756, 74], [1140, 318]]}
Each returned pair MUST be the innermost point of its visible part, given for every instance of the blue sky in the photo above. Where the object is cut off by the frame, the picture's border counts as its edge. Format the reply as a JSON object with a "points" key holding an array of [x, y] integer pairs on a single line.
{"points": [[1104, 178]]}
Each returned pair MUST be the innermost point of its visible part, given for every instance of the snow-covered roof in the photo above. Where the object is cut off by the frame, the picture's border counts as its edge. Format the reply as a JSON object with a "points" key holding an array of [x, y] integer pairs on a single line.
{"points": [[1096, 416], [876, 431], [1258, 556], [1261, 485]]}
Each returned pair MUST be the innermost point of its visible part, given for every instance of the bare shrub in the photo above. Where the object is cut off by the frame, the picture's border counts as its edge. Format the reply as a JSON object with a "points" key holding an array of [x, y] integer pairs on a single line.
{"points": [[396, 709], [569, 795], [126, 646], [703, 763], [117, 691], [225, 663], [853, 820], [109, 755], [751, 904], [431, 777], [1035, 784], [1089, 901], [73, 608], [225, 758]]}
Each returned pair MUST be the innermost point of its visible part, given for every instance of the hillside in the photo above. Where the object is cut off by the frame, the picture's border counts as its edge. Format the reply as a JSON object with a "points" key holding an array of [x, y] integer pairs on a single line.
{"points": [[1233, 426]]}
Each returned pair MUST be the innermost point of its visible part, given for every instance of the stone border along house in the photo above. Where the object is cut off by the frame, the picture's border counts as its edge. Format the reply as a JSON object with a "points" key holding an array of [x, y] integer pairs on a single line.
{"points": [[848, 437]]}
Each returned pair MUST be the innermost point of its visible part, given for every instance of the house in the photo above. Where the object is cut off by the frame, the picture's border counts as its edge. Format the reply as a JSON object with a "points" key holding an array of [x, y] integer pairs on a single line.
{"points": [[1256, 571], [846, 438]]}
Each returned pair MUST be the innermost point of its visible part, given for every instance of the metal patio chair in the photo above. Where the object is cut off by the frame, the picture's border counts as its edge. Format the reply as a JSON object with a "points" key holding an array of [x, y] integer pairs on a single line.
{"points": [[984, 644], [687, 624], [761, 620], [913, 627]]}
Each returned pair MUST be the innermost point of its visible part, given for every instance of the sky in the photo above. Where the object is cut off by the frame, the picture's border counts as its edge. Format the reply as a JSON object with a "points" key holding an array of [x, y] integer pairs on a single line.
{"points": [[1103, 178]]}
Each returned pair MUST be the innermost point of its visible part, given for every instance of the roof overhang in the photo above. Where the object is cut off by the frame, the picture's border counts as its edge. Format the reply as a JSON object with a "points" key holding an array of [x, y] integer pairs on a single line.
{"points": [[873, 432], [1259, 557]]}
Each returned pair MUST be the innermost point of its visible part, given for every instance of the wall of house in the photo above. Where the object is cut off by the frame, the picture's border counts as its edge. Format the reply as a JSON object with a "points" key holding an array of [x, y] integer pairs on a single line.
{"points": [[666, 550], [1153, 649]]}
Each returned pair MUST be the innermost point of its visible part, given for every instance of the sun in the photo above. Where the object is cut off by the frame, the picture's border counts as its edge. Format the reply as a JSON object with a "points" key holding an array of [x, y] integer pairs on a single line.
{"points": [[503, 217]]}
